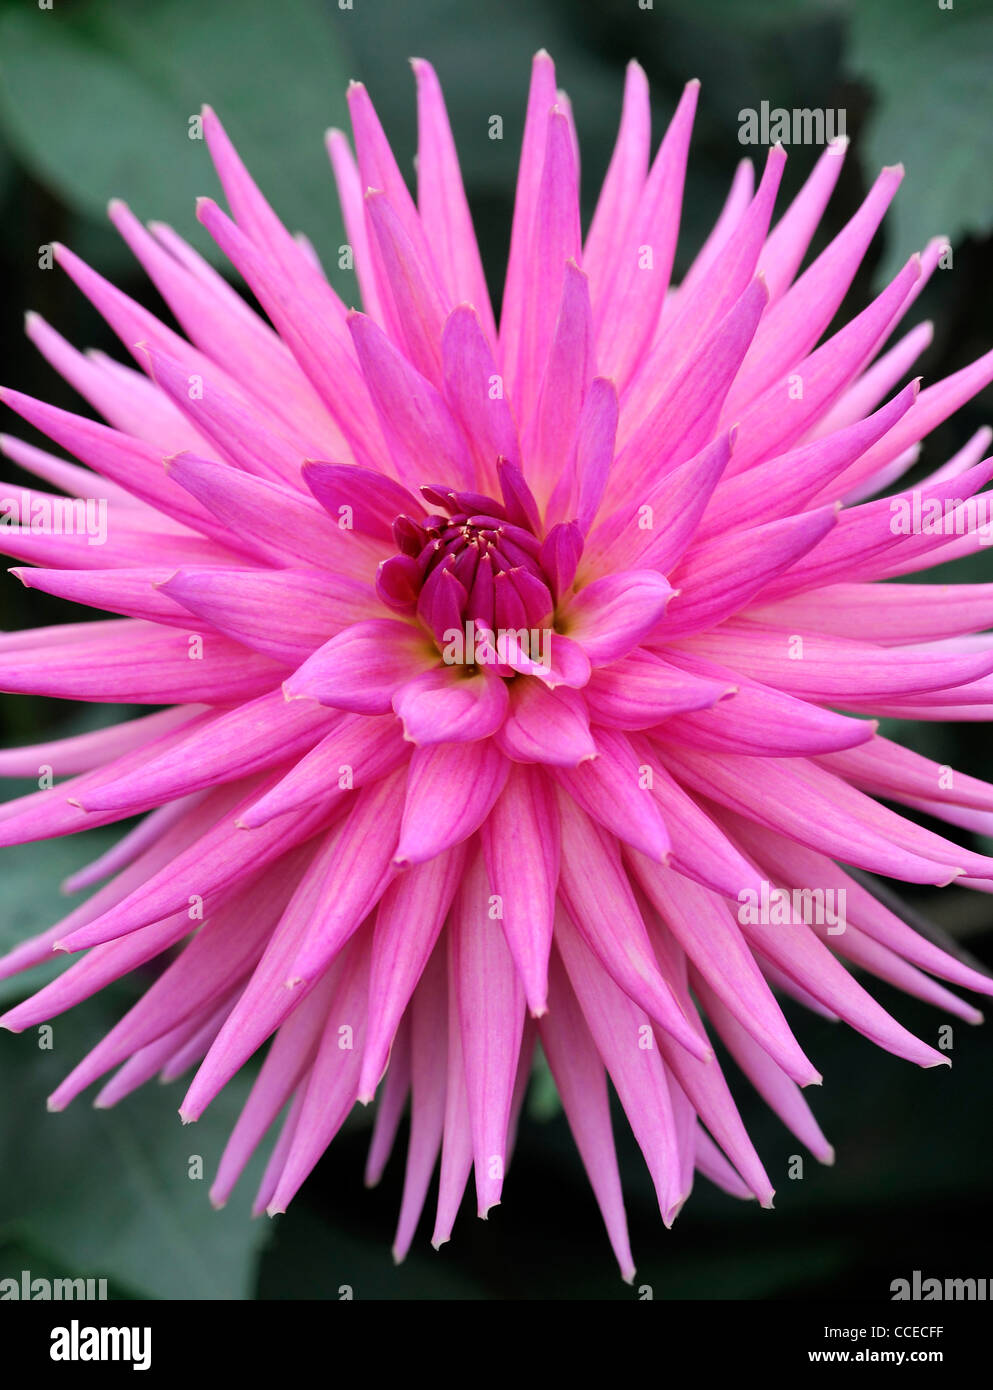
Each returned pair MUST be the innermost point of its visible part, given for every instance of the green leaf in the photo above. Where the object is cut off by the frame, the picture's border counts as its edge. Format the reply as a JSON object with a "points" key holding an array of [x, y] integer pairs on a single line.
{"points": [[17, 1259], [928, 69], [98, 100], [750, 15], [108, 1193]]}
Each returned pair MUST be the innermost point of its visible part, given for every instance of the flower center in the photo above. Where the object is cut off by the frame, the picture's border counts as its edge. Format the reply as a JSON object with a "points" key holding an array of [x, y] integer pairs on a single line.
{"points": [[472, 559]]}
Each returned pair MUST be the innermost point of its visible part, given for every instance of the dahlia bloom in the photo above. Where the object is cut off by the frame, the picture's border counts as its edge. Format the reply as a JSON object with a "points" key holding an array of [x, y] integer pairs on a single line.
{"points": [[500, 667]]}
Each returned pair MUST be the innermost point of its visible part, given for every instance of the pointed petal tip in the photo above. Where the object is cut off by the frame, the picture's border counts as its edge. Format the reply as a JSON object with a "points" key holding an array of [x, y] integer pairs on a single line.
{"points": [[218, 1203], [53, 1106], [288, 696], [669, 1216], [827, 1157], [161, 583]]}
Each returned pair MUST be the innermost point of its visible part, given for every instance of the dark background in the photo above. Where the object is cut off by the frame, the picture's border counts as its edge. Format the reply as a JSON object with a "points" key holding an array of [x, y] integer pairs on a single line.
{"points": [[95, 96]]}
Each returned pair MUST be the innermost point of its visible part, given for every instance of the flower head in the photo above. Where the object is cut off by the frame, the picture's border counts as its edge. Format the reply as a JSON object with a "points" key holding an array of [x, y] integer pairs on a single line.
{"points": [[517, 684]]}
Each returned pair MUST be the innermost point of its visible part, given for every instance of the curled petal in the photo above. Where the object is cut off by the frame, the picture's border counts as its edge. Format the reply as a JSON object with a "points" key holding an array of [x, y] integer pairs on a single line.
{"points": [[546, 725], [449, 704], [432, 820], [612, 615], [363, 667]]}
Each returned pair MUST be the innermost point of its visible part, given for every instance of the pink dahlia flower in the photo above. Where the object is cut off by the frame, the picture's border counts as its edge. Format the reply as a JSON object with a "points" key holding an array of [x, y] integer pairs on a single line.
{"points": [[503, 669]]}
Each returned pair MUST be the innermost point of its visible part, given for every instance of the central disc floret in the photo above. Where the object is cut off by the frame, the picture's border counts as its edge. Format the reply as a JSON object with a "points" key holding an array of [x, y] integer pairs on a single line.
{"points": [[471, 559]]}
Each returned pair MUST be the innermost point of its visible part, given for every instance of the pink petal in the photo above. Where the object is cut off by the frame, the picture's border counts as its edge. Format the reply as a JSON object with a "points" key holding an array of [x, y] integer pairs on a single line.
{"points": [[521, 845], [546, 726], [491, 1018], [364, 666], [610, 616], [449, 704], [432, 820]]}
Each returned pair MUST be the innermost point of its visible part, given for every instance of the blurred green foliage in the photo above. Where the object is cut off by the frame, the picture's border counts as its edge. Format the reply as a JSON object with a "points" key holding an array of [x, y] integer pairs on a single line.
{"points": [[96, 98]]}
